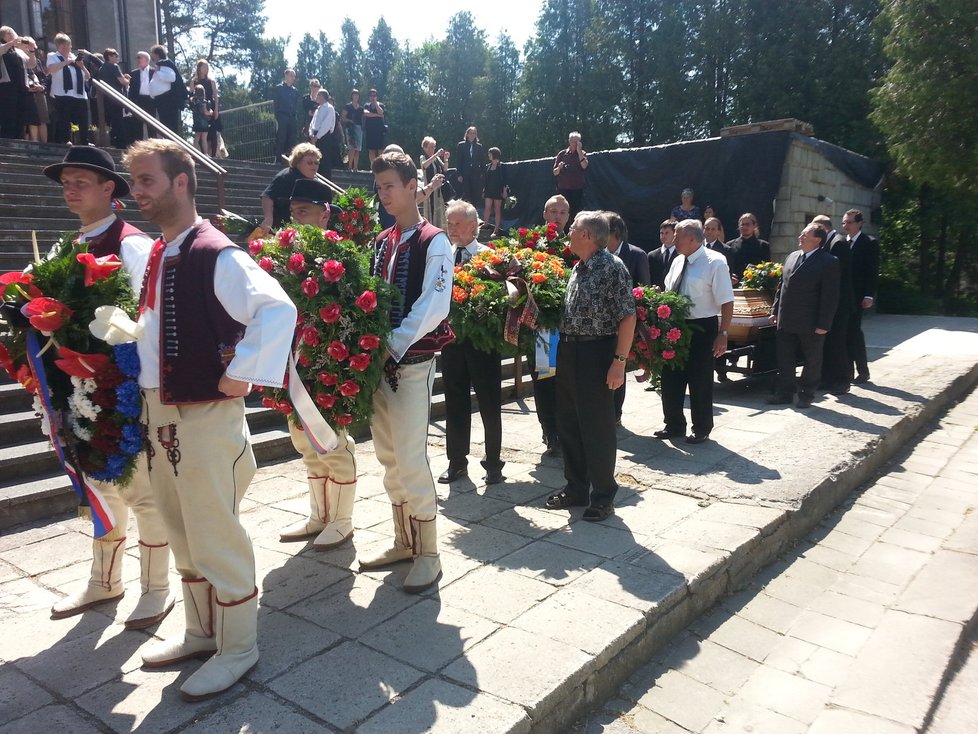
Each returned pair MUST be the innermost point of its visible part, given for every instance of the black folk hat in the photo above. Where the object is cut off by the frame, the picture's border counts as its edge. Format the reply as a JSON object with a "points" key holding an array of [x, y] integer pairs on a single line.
{"points": [[312, 191], [90, 159]]}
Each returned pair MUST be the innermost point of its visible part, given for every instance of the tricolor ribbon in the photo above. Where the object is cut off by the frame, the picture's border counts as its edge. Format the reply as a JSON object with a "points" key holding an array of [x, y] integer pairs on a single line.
{"points": [[320, 434], [102, 519], [524, 314]]}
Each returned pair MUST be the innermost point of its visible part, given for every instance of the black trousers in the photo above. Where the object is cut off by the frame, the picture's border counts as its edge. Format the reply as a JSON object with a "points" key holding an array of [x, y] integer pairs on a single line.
{"points": [[70, 111], [836, 365], [620, 398], [586, 419], [471, 188], [575, 198], [170, 116], [325, 145], [545, 397], [463, 368], [697, 375], [856, 343], [284, 135], [788, 345]]}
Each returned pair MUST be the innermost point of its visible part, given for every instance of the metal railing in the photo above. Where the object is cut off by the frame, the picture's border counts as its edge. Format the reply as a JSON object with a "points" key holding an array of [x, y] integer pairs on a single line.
{"points": [[334, 187], [164, 132], [249, 132]]}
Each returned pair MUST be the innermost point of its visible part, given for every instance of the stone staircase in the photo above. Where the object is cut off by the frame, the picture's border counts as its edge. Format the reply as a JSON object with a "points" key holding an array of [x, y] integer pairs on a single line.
{"points": [[32, 484]]}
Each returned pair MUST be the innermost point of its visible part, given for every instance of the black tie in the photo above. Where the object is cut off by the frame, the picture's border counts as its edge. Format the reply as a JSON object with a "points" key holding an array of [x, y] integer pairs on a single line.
{"points": [[682, 276], [458, 255], [66, 75]]}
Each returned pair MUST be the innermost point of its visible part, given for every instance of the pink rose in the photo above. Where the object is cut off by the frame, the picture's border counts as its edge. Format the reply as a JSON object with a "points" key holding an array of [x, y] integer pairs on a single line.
{"points": [[304, 359], [338, 350], [333, 270], [331, 313], [663, 311], [349, 388], [641, 313], [286, 237], [284, 408], [269, 402], [266, 264], [344, 420], [638, 293], [310, 336], [325, 401], [369, 341], [654, 332], [327, 378], [367, 301], [332, 236], [297, 263], [255, 246], [668, 354], [359, 362], [310, 288], [673, 334]]}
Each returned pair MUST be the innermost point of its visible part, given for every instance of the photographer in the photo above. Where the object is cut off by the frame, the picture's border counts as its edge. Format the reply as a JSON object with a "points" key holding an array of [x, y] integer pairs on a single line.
{"points": [[14, 59], [68, 77]]}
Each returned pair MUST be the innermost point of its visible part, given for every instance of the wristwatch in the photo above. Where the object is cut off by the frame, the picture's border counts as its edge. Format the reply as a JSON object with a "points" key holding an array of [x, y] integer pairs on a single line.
{"points": [[723, 333], [621, 357]]}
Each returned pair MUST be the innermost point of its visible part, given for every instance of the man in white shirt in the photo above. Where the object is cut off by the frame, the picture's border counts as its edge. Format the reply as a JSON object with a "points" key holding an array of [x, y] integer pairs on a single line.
{"points": [[416, 258], [702, 275], [214, 324], [321, 132], [68, 77], [167, 89]]}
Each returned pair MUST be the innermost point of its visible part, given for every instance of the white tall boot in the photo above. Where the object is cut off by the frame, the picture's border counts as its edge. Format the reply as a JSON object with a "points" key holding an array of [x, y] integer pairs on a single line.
{"points": [[401, 548], [318, 514], [339, 529], [427, 566], [105, 583], [198, 639], [157, 600], [237, 650]]}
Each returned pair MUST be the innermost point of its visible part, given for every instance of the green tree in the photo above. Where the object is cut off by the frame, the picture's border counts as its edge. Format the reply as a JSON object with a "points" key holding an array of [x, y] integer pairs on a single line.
{"points": [[457, 62], [379, 57], [314, 60], [347, 71], [224, 32], [406, 103], [269, 66], [500, 91]]}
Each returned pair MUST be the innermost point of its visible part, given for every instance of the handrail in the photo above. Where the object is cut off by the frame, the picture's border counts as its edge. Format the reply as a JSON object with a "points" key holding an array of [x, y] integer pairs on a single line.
{"points": [[219, 171], [335, 188], [266, 103]]}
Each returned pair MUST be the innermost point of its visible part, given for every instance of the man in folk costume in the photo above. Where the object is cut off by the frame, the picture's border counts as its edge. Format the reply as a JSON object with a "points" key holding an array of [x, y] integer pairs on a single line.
{"points": [[332, 476], [89, 182], [416, 258], [214, 324]]}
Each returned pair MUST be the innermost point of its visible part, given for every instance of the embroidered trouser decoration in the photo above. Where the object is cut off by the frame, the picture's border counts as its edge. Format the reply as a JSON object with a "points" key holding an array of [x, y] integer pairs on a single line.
{"points": [[167, 436]]}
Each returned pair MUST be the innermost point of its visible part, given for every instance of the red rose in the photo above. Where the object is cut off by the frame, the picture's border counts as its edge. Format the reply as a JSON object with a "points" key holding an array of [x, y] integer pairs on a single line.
{"points": [[367, 301], [333, 270], [349, 228], [344, 420], [332, 236], [349, 389], [98, 268], [523, 232], [654, 332], [551, 251], [668, 354], [673, 334], [552, 231], [369, 341], [297, 263], [286, 237], [359, 203], [304, 359], [331, 313], [310, 288], [310, 336], [47, 314], [266, 264], [327, 378], [638, 293], [359, 362], [663, 311], [255, 246], [338, 350], [325, 401], [269, 402], [344, 216], [284, 408]]}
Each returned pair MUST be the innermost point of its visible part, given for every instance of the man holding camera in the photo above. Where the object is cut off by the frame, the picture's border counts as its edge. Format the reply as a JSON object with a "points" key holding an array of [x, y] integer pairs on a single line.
{"points": [[15, 55], [68, 77]]}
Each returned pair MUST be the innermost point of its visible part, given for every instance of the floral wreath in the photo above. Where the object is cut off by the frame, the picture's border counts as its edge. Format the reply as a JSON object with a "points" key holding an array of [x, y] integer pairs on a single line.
{"points": [[662, 335]]}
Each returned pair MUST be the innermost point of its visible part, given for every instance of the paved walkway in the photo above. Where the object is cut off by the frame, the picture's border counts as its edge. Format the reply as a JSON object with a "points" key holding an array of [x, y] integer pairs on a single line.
{"points": [[853, 632], [539, 615]]}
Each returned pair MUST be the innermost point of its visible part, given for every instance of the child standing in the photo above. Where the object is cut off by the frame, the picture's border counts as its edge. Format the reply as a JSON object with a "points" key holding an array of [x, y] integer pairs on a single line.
{"points": [[202, 111]]}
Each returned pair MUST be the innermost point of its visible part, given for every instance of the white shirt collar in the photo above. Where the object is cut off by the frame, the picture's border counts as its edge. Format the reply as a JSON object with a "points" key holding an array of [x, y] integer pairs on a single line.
{"points": [[175, 243], [96, 228]]}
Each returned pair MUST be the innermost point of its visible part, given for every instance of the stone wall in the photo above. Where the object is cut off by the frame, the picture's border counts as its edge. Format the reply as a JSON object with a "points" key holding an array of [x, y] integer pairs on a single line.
{"points": [[806, 175], [106, 25]]}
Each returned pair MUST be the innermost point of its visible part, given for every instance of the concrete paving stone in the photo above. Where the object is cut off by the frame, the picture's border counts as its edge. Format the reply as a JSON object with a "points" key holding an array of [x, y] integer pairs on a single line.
{"points": [[654, 511], [263, 523], [526, 669], [849, 544], [883, 518], [19, 695], [910, 539], [766, 610], [144, 701], [965, 538], [549, 562], [867, 588], [276, 488], [885, 504], [890, 563], [255, 713], [481, 543], [472, 507], [683, 700], [829, 557], [894, 680], [956, 712], [706, 534], [440, 707], [495, 593], [680, 559], [963, 503], [453, 567], [23, 596], [905, 494], [793, 590], [530, 522], [372, 512], [600, 539], [285, 641], [743, 717], [840, 721], [9, 573], [737, 634], [937, 516], [598, 627], [786, 694], [50, 553], [709, 663], [751, 516], [51, 718], [429, 635], [296, 579], [825, 631], [345, 684], [848, 608], [946, 588], [825, 666], [791, 654], [916, 524], [638, 721], [852, 525], [353, 605], [631, 586]]}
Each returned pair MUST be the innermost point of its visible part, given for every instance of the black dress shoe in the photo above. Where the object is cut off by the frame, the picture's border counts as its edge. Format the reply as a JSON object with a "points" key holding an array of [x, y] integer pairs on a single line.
{"points": [[861, 378], [452, 473], [494, 476], [841, 389], [779, 400], [562, 500], [804, 401], [665, 434], [697, 438], [597, 513]]}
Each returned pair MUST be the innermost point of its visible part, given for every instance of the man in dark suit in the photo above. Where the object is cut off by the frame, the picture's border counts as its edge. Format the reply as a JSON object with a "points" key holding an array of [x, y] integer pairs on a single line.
{"points": [[470, 159], [661, 258], [637, 263], [865, 274], [748, 249], [803, 310], [835, 360]]}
